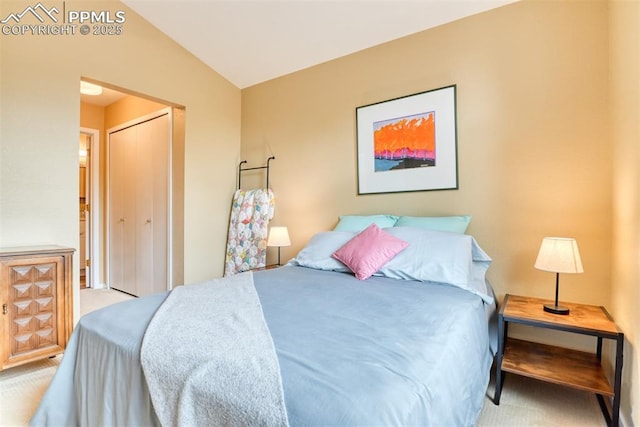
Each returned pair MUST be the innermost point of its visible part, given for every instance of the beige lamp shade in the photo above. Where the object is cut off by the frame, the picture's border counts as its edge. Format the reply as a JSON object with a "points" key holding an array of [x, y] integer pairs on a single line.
{"points": [[559, 255], [278, 236]]}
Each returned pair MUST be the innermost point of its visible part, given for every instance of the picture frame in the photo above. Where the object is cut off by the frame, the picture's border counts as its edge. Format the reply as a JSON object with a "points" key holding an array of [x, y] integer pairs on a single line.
{"points": [[408, 143]]}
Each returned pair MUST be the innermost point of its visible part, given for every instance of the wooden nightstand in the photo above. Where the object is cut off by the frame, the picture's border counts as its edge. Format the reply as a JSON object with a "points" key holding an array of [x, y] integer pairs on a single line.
{"points": [[577, 369]]}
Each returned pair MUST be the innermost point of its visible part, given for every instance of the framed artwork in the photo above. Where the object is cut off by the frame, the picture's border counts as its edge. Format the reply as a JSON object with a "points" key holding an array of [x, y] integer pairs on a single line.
{"points": [[408, 143]]}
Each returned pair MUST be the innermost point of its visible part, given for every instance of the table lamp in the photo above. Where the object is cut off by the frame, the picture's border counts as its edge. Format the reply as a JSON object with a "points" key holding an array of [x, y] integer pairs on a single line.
{"points": [[278, 237], [558, 255]]}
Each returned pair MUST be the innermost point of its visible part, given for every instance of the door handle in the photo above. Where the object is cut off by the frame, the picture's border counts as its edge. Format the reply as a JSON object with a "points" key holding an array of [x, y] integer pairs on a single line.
{"points": [[148, 221], [5, 309]]}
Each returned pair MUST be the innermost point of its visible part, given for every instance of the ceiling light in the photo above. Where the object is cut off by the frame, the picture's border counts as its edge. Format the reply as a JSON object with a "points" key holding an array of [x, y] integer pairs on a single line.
{"points": [[87, 88]]}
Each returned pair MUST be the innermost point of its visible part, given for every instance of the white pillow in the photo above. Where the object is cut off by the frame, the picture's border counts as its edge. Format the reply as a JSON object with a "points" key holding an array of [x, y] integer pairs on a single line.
{"points": [[435, 256], [440, 256], [318, 252]]}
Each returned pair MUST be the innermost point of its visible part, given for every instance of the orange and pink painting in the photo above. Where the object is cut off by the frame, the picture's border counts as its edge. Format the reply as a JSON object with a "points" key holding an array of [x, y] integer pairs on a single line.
{"points": [[405, 142]]}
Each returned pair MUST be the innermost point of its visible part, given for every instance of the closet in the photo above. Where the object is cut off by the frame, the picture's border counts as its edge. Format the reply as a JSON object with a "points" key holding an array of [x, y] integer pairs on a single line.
{"points": [[138, 206]]}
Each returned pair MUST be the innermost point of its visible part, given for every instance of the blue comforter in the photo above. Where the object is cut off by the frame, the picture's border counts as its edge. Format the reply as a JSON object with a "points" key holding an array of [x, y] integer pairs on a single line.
{"points": [[351, 353]]}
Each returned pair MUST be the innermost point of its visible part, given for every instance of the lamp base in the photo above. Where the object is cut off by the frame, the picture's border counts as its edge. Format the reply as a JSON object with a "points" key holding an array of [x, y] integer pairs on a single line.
{"points": [[556, 309]]}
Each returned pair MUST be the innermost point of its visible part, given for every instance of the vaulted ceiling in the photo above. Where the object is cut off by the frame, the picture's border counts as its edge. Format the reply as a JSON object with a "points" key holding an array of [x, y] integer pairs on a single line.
{"points": [[252, 41]]}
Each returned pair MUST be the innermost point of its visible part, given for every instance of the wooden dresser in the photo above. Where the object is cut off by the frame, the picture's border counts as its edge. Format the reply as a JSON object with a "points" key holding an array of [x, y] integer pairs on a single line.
{"points": [[36, 303]]}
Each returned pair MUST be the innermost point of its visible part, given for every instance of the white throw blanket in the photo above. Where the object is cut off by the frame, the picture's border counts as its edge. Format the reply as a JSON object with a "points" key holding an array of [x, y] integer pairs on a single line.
{"points": [[209, 359]]}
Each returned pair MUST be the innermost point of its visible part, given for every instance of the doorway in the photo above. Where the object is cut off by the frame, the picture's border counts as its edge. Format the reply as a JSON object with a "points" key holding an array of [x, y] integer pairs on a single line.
{"points": [[114, 107], [89, 205]]}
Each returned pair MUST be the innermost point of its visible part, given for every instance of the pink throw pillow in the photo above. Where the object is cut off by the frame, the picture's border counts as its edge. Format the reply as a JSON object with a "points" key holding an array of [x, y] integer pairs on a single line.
{"points": [[369, 250]]}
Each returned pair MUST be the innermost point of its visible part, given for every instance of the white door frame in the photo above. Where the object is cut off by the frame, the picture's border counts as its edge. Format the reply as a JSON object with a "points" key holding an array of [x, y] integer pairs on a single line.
{"points": [[94, 207]]}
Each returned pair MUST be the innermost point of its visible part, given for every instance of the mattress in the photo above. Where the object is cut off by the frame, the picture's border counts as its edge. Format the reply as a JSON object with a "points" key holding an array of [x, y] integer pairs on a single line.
{"points": [[351, 353]]}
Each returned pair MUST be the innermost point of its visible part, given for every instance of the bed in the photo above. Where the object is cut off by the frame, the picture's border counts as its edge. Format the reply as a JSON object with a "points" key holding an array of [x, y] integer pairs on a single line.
{"points": [[392, 349]]}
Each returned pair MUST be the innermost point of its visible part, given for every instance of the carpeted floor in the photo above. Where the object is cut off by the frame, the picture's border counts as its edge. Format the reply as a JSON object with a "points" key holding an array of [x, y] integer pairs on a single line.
{"points": [[21, 389], [525, 402]]}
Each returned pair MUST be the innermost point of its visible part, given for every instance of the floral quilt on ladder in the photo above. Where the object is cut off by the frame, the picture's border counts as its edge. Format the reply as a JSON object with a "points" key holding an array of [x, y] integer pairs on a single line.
{"points": [[251, 211]]}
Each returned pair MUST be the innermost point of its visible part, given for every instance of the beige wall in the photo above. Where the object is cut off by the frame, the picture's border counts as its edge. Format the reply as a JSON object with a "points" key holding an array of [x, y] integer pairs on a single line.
{"points": [[532, 118], [129, 108], [92, 116], [625, 132], [39, 126]]}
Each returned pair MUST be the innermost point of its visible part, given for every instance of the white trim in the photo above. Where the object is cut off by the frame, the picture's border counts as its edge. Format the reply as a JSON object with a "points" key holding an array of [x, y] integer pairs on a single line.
{"points": [[170, 205], [94, 211]]}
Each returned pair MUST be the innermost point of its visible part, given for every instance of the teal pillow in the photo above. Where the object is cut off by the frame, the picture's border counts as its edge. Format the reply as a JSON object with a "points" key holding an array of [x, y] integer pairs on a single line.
{"points": [[454, 224], [358, 223]]}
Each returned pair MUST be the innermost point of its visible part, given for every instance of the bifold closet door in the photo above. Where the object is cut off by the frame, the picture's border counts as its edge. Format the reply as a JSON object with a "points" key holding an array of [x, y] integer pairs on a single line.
{"points": [[152, 205], [139, 195], [122, 232]]}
